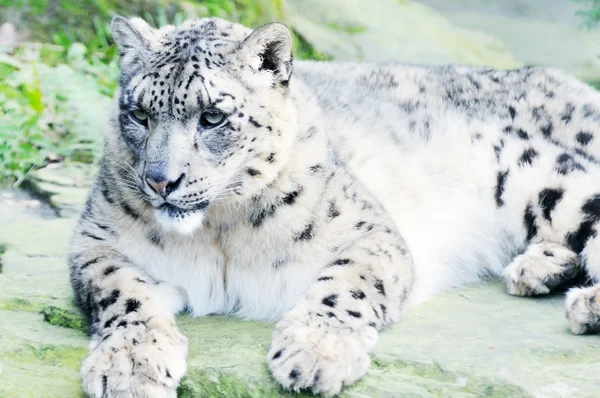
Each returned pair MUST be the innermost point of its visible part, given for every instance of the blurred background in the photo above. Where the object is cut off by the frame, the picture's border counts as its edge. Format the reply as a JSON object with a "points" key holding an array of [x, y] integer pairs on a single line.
{"points": [[58, 64]]}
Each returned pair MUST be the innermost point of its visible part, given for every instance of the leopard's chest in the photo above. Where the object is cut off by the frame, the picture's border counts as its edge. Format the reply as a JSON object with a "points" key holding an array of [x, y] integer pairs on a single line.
{"points": [[248, 276]]}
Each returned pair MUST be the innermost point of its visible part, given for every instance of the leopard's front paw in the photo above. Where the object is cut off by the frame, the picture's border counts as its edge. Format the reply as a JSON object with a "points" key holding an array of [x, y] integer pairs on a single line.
{"points": [[321, 359], [543, 267], [137, 359]]}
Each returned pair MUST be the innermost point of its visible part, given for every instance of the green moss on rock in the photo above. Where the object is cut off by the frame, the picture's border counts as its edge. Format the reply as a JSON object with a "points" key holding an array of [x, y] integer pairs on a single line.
{"points": [[216, 384], [61, 356], [443, 382], [64, 318], [23, 305]]}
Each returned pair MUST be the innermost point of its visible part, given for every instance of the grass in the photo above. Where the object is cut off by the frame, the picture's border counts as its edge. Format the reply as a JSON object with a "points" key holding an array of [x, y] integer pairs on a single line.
{"points": [[54, 91]]}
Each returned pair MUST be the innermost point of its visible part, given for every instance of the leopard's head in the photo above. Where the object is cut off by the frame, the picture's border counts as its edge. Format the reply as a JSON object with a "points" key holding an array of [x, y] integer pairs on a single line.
{"points": [[203, 114]]}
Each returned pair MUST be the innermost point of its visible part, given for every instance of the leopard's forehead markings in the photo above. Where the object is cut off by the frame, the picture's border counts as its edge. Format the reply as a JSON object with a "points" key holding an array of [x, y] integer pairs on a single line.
{"points": [[174, 80], [204, 41]]}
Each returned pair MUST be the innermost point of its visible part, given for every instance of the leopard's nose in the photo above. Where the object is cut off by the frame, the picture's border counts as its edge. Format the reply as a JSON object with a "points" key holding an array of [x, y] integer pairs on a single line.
{"points": [[162, 185]]}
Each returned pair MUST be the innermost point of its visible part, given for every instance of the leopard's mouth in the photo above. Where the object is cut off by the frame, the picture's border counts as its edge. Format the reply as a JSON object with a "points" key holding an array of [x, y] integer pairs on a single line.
{"points": [[173, 211], [184, 220]]}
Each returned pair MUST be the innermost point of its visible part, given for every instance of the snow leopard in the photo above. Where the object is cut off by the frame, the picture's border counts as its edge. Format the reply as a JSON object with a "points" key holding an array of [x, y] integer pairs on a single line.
{"points": [[328, 197]]}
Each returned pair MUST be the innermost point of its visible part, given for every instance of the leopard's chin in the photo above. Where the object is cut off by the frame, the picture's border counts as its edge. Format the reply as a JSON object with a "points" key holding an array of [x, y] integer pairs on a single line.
{"points": [[184, 222]]}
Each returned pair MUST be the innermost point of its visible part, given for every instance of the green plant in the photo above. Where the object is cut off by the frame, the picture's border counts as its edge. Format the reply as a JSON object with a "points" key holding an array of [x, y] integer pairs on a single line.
{"points": [[591, 13], [49, 113]]}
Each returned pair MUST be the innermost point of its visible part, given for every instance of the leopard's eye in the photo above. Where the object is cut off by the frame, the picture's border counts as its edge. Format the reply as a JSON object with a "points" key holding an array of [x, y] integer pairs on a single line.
{"points": [[211, 118], [139, 117]]}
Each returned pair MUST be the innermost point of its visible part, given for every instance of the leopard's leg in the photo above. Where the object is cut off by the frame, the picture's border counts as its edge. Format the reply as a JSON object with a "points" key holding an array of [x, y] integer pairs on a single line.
{"points": [[135, 350], [561, 220], [323, 343]]}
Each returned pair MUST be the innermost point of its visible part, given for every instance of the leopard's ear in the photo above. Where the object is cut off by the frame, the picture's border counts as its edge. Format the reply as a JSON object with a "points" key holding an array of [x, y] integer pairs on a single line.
{"points": [[269, 48], [132, 36]]}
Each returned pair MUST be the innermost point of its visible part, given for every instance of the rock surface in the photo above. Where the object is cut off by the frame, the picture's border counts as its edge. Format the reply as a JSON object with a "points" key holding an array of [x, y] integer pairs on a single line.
{"points": [[536, 32], [470, 342], [393, 30]]}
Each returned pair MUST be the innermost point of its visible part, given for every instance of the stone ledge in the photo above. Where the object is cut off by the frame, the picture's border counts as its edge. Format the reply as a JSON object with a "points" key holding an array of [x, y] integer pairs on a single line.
{"points": [[470, 342]]}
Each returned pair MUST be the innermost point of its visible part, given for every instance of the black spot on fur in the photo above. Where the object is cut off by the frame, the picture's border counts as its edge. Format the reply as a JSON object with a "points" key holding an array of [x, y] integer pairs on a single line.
{"points": [[154, 237], [529, 221], [110, 300], [252, 172], [295, 374], [342, 261], [90, 235], [122, 324], [358, 294], [325, 278], [584, 137], [547, 130], [110, 321], [330, 301], [512, 112], [548, 254], [354, 314], [254, 122], [316, 168], [500, 182], [528, 156], [567, 114], [566, 164], [290, 198], [332, 211], [317, 377], [307, 233], [270, 158], [522, 134], [359, 224], [277, 354], [102, 226], [132, 305], [259, 216], [497, 151], [110, 269], [379, 286], [591, 207], [376, 313], [548, 198], [129, 211], [90, 262], [577, 240]]}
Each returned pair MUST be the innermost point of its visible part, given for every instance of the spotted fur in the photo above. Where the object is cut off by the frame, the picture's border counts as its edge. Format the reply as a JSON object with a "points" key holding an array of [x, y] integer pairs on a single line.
{"points": [[330, 198]]}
